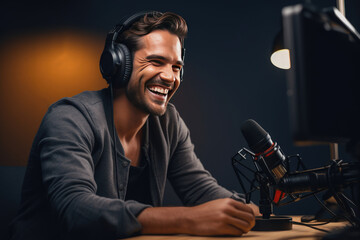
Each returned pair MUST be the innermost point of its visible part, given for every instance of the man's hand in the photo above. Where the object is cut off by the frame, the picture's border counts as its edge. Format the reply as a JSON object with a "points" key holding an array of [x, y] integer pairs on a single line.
{"points": [[221, 217], [218, 217]]}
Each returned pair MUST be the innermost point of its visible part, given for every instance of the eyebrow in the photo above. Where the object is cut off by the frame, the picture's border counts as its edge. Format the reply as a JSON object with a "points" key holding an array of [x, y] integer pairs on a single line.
{"points": [[155, 56]]}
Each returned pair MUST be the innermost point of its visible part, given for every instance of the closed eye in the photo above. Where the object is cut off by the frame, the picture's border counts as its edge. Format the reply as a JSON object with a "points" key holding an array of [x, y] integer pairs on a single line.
{"points": [[156, 62], [158, 59], [177, 68]]}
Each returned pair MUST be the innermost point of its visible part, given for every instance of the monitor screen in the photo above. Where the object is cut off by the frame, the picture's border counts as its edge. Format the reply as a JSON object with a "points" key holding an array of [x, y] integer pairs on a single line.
{"points": [[323, 83]]}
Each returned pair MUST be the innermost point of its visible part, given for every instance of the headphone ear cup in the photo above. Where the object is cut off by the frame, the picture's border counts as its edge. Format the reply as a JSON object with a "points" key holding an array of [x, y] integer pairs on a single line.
{"points": [[181, 74], [108, 63], [183, 59], [122, 75]]}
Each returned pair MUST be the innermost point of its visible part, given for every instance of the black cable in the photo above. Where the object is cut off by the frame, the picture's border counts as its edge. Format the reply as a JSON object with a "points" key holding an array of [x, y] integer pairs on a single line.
{"points": [[114, 137], [347, 209], [324, 206], [343, 204], [348, 199], [322, 223], [311, 226]]}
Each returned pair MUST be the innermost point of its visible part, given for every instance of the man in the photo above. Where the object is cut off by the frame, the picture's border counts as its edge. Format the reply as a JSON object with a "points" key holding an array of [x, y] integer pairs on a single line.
{"points": [[99, 162]]}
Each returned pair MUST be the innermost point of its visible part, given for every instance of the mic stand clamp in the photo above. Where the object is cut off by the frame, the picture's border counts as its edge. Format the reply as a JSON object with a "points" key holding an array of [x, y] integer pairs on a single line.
{"points": [[265, 205], [266, 222]]}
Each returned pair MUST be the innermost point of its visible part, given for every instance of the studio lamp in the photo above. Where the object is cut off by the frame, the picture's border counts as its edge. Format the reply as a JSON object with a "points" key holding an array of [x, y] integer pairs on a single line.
{"points": [[280, 56]]}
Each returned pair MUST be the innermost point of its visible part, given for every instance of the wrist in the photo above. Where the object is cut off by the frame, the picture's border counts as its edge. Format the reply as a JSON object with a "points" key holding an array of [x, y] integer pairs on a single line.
{"points": [[165, 220], [186, 220]]}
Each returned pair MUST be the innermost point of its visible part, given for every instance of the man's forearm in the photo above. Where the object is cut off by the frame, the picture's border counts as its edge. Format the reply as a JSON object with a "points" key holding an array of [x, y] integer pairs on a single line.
{"points": [[219, 217], [164, 220]]}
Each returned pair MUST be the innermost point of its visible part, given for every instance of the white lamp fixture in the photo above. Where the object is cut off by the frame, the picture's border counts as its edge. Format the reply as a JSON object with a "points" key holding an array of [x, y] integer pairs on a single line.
{"points": [[280, 56]]}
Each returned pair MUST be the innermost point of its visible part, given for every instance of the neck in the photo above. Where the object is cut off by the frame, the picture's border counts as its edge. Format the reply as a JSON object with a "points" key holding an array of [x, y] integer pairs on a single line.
{"points": [[128, 119]]}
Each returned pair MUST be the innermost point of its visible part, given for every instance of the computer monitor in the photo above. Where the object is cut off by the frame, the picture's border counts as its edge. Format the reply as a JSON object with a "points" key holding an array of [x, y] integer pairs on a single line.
{"points": [[324, 78]]}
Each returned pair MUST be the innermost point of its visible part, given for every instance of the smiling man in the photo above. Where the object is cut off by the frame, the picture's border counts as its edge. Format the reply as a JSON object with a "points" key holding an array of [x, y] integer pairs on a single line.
{"points": [[100, 160], [156, 73]]}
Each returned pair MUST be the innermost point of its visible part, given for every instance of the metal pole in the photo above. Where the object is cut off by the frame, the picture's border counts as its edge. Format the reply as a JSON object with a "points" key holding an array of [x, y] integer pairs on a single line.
{"points": [[341, 6], [334, 151], [334, 147]]}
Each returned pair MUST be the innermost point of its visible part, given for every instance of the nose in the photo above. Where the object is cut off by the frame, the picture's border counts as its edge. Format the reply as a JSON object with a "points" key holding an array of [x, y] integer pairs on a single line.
{"points": [[167, 74]]}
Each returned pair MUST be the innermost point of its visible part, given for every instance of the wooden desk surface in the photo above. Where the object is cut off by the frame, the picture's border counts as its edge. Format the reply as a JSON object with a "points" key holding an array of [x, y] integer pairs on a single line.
{"points": [[298, 232]]}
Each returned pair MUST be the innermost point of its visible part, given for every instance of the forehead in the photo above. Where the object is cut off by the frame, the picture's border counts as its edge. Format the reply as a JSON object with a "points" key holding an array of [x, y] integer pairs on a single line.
{"points": [[161, 42]]}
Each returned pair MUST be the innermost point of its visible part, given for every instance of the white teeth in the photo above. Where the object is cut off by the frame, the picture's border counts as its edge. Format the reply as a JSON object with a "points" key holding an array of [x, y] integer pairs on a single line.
{"points": [[159, 90]]}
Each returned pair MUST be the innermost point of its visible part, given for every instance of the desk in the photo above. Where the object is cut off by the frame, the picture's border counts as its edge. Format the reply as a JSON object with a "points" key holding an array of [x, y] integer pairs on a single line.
{"points": [[298, 232]]}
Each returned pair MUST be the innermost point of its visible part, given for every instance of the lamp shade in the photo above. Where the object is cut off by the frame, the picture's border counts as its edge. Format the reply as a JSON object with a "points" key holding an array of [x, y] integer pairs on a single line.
{"points": [[280, 56]]}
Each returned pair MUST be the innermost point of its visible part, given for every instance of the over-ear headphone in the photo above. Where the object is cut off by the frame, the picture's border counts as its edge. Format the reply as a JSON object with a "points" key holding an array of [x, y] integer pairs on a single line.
{"points": [[116, 60]]}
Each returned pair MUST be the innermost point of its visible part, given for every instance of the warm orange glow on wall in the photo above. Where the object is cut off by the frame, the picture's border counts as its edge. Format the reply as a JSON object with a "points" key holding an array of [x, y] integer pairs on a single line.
{"points": [[36, 71]]}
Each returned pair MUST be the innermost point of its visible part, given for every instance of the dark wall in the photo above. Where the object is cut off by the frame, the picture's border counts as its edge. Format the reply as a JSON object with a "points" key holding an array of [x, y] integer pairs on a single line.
{"points": [[228, 75]]}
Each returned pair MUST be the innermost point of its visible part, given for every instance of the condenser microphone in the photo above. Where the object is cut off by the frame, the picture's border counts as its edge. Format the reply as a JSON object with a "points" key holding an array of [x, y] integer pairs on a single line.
{"points": [[336, 176], [267, 153]]}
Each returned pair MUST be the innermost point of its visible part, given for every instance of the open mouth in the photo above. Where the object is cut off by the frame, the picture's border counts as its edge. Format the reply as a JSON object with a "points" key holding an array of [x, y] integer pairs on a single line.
{"points": [[158, 90]]}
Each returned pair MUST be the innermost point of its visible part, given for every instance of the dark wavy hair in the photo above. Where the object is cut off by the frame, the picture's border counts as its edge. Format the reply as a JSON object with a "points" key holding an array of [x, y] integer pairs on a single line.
{"points": [[171, 22]]}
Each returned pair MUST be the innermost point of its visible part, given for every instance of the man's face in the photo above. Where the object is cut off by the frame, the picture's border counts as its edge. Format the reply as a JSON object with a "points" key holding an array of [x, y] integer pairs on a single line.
{"points": [[156, 72]]}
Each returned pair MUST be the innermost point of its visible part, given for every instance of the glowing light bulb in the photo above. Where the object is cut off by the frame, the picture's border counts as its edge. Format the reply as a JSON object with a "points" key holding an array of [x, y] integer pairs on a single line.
{"points": [[281, 59]]}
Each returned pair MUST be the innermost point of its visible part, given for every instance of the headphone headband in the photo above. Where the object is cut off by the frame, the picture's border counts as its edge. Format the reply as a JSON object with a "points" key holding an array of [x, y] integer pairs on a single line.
{"points": [[126, 22]]}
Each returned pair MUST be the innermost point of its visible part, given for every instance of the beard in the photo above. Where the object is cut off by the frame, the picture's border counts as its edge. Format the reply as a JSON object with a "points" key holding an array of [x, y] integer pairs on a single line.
{"points": [[136, 95]]}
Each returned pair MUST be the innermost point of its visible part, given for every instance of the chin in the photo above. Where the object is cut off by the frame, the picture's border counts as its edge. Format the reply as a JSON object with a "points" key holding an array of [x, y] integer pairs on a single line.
{"points": [[157, 112], [156, 109]]}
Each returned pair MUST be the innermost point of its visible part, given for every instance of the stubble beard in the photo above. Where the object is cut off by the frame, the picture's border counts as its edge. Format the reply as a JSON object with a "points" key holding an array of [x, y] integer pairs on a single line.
{"points": [[134, 96]]}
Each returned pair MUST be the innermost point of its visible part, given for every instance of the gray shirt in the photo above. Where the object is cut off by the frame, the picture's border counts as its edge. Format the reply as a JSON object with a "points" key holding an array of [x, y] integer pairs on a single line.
{"points": [[74, 188]]}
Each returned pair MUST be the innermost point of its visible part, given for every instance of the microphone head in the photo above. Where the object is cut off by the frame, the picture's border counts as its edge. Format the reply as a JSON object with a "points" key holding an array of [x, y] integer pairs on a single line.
{"points": [[257, 138]]}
